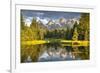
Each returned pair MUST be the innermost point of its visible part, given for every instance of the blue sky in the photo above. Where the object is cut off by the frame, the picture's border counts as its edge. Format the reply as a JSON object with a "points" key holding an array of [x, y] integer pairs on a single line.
{"points": [[45, 16]]}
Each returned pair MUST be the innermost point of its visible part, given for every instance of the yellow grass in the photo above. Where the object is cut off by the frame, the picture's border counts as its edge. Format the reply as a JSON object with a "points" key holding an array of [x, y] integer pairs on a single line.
{"points": [[66, 42], [76, 43], [34, 42]]}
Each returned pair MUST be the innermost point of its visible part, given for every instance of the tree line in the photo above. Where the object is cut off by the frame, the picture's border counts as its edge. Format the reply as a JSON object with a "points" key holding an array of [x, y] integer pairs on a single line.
{"points": [[36, 31]]}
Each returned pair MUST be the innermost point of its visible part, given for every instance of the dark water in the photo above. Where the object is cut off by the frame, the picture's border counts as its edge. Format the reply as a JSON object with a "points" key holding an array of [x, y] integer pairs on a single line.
{"points": [[53, 52]]}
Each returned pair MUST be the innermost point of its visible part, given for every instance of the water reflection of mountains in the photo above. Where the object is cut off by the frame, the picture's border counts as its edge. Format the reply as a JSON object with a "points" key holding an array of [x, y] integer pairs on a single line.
{"points": [[59, 54]]}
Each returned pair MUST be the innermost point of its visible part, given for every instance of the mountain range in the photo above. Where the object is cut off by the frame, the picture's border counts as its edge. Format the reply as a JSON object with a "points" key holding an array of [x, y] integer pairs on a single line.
{"points": [[61, 23]]}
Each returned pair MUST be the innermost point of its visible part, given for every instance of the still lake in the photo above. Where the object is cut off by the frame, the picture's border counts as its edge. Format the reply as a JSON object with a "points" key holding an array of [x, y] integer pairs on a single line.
{"points": [[53, 52]]}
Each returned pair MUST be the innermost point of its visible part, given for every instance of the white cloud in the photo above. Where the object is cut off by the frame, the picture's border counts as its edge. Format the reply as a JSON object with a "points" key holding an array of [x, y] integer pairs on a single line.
{"points": [[44, 21], [28, 21], [38, 18]]}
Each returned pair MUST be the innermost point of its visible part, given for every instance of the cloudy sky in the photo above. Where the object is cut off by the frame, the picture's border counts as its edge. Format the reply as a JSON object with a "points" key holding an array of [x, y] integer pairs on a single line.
{"points": [[45, 16]]}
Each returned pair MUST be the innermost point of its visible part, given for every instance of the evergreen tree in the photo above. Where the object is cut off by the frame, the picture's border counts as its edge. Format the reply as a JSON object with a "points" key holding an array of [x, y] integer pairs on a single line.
{"points": [[84, 26], [22, 23], [75, 35]]}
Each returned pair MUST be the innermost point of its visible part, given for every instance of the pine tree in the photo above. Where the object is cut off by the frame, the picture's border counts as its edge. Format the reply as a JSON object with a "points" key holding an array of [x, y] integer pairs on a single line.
{"points": [[75, 38], [84, 23], [75, 35], [22, 23]]}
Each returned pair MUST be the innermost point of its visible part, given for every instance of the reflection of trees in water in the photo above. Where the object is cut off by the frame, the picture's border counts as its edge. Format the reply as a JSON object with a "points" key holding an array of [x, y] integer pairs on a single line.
{"points": [[79, 52], [85, 52], [32, 53], [73, 52]]}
